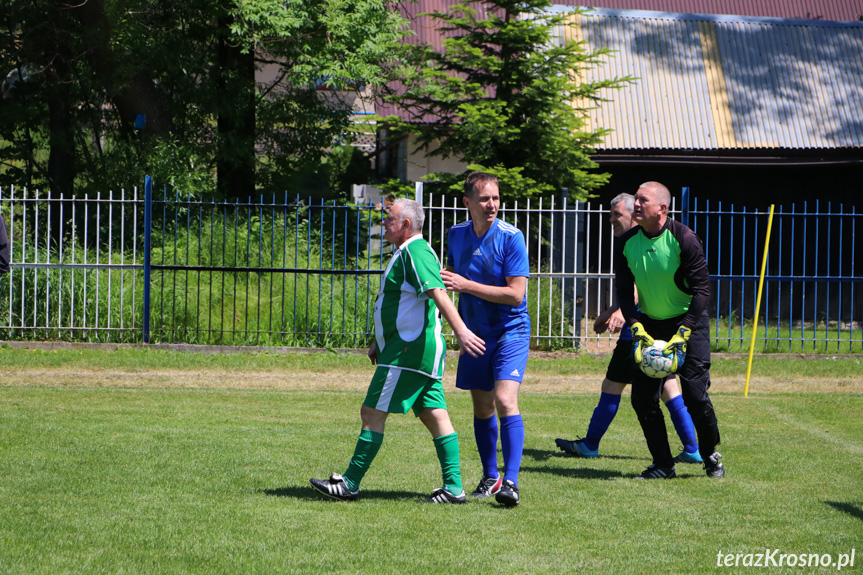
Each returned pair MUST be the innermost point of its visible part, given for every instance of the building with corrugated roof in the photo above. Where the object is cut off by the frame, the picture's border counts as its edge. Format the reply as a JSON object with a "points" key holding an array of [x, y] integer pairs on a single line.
{"points": [[732, 106], [848, 10], [718, 85]]}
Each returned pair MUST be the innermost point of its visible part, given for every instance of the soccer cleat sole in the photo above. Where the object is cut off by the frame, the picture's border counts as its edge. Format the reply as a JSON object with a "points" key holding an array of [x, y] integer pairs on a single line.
{"points": [[508, 495], [713, 467]]}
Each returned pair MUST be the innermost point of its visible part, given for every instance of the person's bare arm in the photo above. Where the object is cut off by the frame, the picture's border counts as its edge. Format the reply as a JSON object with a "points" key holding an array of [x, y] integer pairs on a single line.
{"points": [[510, 294], [467, 340]]}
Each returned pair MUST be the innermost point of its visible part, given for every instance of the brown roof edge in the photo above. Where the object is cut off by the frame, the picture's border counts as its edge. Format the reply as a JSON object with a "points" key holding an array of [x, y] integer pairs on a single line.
{"points": [[749, 157]]}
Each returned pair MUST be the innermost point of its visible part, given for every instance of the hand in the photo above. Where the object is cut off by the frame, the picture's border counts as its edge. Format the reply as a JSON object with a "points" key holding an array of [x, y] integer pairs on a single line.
{"points": [[454, 282], [677, 347], [373, 354], [600, 325], [616, 322], [469, 342], [640, 339]]}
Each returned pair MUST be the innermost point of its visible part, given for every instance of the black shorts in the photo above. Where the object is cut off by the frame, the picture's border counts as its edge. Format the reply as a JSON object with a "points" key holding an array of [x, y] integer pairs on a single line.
{"points": [[621, 368]]}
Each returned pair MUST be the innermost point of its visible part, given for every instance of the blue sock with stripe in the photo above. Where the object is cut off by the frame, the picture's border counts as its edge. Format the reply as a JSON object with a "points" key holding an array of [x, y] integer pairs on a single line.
{"points": [[485, 431], [603, 415], [683, 424], [512, 444]]}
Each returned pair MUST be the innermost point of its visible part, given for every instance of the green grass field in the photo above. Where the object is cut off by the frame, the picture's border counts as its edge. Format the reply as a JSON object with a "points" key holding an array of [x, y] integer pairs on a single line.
{"points": [[213, 478]]}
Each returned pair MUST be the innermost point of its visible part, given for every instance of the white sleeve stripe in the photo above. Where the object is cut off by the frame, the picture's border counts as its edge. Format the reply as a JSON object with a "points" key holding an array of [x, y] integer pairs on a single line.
{"points": [[509, 228]]}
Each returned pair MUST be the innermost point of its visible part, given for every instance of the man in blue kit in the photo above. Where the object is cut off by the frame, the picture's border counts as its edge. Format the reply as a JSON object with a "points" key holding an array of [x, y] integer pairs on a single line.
{"points": [[487, 265]]}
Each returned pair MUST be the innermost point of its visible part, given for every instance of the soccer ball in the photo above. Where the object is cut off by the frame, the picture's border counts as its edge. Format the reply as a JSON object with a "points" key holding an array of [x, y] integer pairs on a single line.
{"points": [[653, 362]]}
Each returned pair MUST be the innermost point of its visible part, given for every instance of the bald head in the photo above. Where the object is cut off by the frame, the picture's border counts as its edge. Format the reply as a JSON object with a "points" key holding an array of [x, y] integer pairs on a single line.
{"points": [[651, 206], [662, 195]]}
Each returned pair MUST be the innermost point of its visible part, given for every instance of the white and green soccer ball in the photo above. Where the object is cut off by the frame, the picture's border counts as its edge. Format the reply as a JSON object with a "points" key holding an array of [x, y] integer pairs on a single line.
{"points": [[653, 362]]}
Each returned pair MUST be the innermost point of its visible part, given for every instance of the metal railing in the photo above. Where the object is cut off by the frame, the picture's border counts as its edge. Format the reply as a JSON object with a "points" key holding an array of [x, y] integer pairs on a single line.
{"points": [[128, 267], [812, 297], [76, 266]]}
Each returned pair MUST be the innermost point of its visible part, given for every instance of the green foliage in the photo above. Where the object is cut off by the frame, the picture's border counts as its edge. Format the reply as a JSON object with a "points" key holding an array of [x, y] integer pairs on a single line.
{"points": [[343, 42], [506, 95], [92, 68], [235, 307]]}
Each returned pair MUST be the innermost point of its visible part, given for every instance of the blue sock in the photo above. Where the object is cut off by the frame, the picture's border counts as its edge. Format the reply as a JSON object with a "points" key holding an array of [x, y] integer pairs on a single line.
{"points": [[512, 444], [485, 431], [682, 423], [603, 415]]}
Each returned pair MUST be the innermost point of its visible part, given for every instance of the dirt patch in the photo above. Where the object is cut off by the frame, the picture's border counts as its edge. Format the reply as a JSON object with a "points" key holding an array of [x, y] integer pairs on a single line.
{"points": [[357, 380]]}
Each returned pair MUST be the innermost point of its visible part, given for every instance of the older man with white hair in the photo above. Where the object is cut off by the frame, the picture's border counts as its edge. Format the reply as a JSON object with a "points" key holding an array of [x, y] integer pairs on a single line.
{"points": [[410, 351]]}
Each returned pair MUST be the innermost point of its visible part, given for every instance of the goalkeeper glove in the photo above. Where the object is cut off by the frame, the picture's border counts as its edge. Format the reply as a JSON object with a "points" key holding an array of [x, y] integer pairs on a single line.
{"points": [[676, 347], [640, 339]]}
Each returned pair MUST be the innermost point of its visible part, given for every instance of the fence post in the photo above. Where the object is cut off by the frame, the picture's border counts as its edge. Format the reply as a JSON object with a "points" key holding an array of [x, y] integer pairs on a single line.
{"points": [[418, 192], [684, 207], [148, 224]]}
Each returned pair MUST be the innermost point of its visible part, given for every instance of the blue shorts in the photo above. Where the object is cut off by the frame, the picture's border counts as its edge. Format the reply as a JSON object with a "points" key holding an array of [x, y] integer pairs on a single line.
{"points": [[505, 360]]}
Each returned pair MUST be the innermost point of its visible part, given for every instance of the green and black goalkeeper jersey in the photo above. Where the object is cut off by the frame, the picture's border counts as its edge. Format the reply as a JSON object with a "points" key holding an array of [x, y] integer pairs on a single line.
{"points": [[669, 271]]}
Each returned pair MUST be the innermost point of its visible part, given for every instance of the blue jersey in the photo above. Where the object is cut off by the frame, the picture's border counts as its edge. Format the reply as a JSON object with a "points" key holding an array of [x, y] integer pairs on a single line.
{"points": [[500, 253]]}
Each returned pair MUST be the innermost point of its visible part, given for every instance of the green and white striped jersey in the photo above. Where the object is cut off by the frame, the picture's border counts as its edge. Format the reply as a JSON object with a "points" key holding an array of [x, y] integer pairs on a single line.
{"points": [[408, 331]]}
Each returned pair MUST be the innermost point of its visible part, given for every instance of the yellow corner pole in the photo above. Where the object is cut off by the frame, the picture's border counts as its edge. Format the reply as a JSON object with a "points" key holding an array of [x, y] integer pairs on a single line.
{"points": [[758, 301]]}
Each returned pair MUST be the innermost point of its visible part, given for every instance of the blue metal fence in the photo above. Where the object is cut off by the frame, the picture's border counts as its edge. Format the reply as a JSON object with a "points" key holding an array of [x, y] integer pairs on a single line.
{"points": [[286, 271], [812, 297]]}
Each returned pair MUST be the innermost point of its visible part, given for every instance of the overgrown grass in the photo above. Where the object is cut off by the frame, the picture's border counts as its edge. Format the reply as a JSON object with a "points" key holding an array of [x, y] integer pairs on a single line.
{"points": [[217, 307], [166, 480], [226, 305], [809, 337]]}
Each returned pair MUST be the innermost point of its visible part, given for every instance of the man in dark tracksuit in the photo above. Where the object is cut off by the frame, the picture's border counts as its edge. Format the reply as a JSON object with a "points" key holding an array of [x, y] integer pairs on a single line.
{"points": [[665, 261]]}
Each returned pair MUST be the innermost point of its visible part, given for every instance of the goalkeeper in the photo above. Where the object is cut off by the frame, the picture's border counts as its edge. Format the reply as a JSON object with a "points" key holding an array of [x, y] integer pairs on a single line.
{"points": [[665, 261]]}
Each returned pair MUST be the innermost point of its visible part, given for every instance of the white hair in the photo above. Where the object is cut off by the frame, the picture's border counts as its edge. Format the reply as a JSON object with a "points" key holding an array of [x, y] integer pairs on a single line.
{"points": [[413, 211], [627, 199]]}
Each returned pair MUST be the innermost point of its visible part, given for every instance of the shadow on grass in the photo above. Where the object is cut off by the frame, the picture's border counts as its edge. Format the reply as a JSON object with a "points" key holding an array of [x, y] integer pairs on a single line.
{"points": [[852, 509], [303, 492], [577, 472], [544, 455], [601, 474]]}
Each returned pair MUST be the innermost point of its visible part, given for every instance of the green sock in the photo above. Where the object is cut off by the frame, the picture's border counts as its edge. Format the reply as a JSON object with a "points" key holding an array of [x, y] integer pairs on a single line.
{"points": [[367, 447], [447, 453]]}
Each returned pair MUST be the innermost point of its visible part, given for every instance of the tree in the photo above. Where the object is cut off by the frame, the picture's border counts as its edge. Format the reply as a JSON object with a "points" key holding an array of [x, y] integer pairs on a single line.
{"points": [[506, 96], [100, 93]]}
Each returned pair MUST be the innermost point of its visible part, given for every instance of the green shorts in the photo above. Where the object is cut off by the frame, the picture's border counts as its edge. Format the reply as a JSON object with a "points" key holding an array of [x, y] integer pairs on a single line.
{"points": [[395, 390]]}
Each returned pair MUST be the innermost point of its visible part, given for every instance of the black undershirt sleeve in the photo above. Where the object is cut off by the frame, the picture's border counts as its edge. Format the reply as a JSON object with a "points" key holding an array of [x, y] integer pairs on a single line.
{"points": [[694, 271], [625, 282]]}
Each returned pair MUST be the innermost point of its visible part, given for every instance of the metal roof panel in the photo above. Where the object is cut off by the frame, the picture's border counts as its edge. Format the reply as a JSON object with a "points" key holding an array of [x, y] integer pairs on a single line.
{"points": [[707, 82]]}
